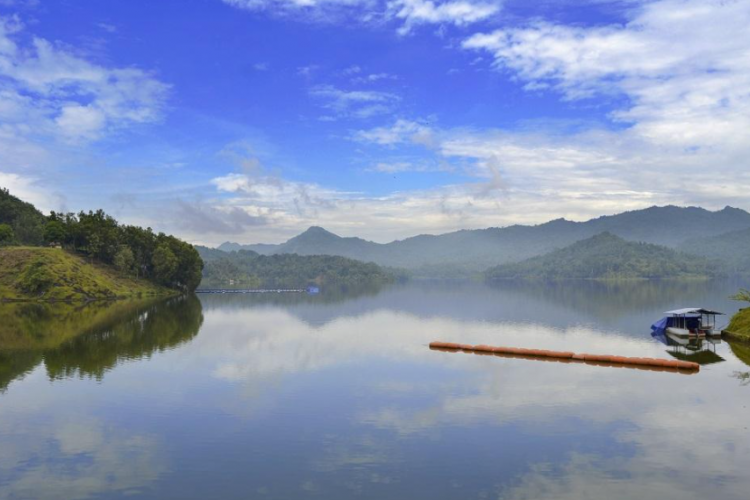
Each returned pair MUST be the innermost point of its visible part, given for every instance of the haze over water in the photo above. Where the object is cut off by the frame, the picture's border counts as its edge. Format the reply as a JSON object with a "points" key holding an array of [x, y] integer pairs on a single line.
{"points": [[337, 396]]}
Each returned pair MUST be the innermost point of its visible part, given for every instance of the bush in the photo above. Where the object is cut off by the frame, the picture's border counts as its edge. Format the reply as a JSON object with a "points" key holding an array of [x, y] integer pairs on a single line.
{"points": [[36, 279]]}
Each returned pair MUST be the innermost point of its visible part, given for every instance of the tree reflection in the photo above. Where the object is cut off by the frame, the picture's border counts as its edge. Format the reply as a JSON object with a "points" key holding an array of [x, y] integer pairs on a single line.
{"points": [[90, 339]]}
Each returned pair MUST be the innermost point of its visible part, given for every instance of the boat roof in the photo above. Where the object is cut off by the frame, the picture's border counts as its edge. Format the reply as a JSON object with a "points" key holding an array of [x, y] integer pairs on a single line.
{"points": [[692, 310]]}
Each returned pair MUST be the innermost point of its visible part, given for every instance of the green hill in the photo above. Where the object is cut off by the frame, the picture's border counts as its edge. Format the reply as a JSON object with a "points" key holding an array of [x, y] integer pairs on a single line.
{"points": [[606, 256], [34, 273], [287, 270]]}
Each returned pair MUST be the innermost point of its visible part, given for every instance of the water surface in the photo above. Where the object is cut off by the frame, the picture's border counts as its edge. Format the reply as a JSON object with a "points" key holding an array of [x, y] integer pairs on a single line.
{"points": [[337, 396]]}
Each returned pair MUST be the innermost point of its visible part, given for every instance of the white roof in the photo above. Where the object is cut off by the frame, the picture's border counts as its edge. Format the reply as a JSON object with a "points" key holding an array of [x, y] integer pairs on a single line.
{"points": [[691, 310]]}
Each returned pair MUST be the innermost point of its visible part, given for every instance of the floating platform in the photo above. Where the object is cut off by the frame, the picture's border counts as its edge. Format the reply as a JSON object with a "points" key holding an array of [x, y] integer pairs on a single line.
{"points": [[651, 364], [249, 290]]}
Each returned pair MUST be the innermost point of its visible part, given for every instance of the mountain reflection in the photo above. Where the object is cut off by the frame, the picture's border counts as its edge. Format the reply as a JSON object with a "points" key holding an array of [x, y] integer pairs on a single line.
{"points": [[90, 339]]}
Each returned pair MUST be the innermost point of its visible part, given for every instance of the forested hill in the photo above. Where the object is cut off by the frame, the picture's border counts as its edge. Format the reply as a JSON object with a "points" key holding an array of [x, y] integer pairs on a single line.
{"points": [[476, 250], [606, 256], [131, 251], [249, 269], [730, 250]]}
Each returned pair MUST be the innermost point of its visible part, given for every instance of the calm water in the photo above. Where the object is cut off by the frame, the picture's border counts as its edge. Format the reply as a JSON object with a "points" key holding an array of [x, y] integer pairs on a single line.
{"points": [[336, 396]]}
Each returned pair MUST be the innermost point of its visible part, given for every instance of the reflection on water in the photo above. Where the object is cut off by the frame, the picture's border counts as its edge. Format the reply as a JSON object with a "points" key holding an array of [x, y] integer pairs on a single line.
{"points": [[337, 395], [89, 339]]}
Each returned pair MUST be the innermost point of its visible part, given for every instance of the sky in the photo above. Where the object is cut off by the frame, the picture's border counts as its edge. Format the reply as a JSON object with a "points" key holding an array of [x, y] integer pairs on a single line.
{"points": [[251, 120]]}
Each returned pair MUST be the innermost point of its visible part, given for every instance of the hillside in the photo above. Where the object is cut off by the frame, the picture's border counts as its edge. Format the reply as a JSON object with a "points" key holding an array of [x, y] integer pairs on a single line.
{"points": [[250, 269], [30, 273], [606, 256], [471, 251], [730, 250]]}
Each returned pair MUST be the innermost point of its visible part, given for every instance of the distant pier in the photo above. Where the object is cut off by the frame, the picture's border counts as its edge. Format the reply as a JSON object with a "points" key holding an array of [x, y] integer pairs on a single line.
{"points": [[249, 290]]}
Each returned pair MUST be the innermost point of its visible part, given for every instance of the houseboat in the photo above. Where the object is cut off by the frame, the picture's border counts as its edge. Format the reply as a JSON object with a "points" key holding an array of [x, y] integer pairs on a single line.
{"points": [[688, 322]]}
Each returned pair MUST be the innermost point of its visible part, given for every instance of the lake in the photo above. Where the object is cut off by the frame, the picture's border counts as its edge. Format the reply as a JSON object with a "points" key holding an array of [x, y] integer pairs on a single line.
{"points": [[337, 396]]}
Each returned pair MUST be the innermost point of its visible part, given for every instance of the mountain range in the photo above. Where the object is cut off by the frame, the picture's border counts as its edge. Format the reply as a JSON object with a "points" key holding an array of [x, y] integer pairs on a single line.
{"points": [[690, 229]]}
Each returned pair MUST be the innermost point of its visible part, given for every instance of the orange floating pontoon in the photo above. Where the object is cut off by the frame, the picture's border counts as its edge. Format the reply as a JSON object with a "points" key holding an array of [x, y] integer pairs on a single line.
{"points": [[567, 356]]}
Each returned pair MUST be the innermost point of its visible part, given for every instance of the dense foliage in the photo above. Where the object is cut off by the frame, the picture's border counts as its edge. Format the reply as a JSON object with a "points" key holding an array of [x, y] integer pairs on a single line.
{"points": [[134, 251], [288, 270], [20, 222], [607, 256]]}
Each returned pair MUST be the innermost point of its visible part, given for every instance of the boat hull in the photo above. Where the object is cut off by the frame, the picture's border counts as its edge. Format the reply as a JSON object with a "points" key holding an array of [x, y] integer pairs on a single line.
{"points": [[683, 332]]}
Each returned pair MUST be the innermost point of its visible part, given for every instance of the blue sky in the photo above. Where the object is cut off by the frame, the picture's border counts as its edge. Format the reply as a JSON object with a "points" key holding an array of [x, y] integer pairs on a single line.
{"points": [[250, 120]]}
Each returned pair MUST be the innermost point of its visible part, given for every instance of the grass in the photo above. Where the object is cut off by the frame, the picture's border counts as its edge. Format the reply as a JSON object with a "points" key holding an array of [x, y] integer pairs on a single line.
{"points": [[739, 327], [53, 274]]}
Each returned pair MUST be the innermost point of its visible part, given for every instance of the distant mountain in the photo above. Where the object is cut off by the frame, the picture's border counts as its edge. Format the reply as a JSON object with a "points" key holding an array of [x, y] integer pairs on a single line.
{"points": [[473, 251], [731, 250], [606, 256]]}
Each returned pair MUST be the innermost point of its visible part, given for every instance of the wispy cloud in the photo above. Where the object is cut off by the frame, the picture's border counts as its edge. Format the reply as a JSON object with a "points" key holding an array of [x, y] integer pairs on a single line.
{"points": [[354, 103], [402, 131], [407, 13], [455, 12]]}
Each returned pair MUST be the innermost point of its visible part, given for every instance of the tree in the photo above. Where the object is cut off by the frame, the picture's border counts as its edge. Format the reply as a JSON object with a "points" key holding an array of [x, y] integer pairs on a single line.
{"points": [[124, 259], [55, 233], [165, 264], [743, 295], [29, 229], [6, 235]]}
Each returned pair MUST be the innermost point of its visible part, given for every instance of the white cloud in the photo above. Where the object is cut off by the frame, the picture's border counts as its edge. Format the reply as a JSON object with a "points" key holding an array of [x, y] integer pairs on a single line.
{"points": [[684, 65], [76, 121], [456, 12], [48, 91]]}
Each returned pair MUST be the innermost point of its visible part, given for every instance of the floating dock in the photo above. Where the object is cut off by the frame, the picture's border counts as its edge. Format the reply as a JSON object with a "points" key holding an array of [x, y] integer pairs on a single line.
{"points": [[248, 290], [651, 364]]}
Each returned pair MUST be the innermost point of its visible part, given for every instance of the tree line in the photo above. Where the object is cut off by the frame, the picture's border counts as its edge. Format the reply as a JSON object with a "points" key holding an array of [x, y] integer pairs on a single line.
{"points": [[250, 269], [133, 250]]}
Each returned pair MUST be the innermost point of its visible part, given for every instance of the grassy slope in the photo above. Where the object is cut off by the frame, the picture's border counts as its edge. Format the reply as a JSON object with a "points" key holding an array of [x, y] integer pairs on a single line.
{"points": [[70, 276], [739, 327]]}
